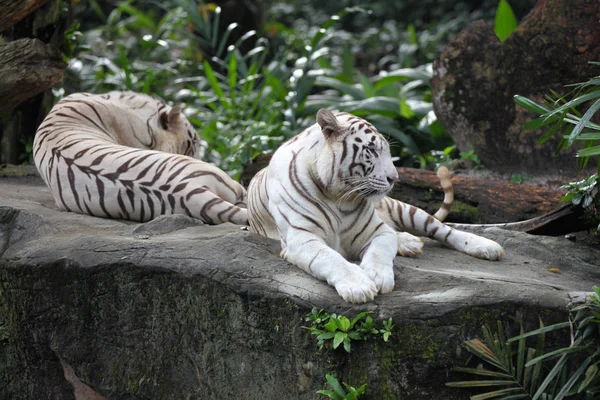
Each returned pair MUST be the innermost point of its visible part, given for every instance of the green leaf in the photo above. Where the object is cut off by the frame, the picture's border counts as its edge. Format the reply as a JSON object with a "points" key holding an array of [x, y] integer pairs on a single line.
{"points": [[344, 88], [482, 372], [585, 119], [587, 136], [347, 345], [331, 326], [358, 318], [590, 151], [331, 394], [497, 393], [590, 374], [574, 378], [530, 104], [482, 383], [339, 338], [506, 22], [556, 353], [326, 336], [343, 323], [405, 110], [367, 86], [549, 328], [335, 385], [401, 75], [520, 355]]}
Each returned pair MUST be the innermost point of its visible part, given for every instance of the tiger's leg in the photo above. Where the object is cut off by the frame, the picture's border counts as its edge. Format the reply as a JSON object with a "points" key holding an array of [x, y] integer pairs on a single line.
{"points": [[377, 258], [310, 252], [203, 204], [415, 221]]}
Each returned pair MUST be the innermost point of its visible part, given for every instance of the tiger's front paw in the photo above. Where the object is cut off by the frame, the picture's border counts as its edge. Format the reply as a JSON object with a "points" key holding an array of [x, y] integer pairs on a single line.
{"points": [[356, 287], [382, 276], [409, 245]]}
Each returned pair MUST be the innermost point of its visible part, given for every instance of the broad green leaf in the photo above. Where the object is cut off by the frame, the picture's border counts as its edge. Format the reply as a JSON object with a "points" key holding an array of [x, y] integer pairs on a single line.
{"points": [[347, 346], [344, 88], [338, 339], [326, 336], [335, 385], [505, 22], [347, 65], [367, 86], [379, 105], [405, 110], [331, 326], [400, 75], [343, 323]]}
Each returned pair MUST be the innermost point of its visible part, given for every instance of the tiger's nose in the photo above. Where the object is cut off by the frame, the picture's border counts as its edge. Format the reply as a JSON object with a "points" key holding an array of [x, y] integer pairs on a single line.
{"points": [[392, 177]]}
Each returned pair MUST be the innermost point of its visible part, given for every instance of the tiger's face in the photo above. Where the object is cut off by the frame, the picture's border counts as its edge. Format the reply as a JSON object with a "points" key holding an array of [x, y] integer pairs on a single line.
{"points": [[360, 160], [178, 136]]}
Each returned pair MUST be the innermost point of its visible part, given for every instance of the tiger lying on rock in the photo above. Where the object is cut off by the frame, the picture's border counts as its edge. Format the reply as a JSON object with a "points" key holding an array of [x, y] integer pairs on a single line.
{"points": [[323, 197], [129, 156]]}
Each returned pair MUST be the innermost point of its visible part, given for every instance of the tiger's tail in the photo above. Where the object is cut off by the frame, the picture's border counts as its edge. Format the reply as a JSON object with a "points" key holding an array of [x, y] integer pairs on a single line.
{"points": [[446, 183]]}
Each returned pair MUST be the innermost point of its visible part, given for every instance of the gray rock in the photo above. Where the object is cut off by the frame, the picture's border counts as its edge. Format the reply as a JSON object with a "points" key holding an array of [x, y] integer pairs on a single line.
{"points": [[132, 311]]}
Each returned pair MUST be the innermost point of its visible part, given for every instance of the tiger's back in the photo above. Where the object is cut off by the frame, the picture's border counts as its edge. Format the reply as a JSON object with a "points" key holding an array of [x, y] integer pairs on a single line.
{"points": [[130, 156]]}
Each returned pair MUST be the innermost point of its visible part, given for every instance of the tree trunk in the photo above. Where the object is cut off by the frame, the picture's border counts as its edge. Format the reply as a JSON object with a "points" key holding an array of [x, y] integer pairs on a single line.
{"points": [[15, 10], [27, 67], [476, 77], [30, 64]]}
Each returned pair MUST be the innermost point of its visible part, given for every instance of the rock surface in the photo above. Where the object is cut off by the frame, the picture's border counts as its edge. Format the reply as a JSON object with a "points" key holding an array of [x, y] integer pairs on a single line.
{"points": [[170, 310]]}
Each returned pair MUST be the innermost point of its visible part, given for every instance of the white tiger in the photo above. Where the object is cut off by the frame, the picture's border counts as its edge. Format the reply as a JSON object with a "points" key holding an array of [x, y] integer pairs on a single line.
{"points": [[111, 156], [323, 197]]}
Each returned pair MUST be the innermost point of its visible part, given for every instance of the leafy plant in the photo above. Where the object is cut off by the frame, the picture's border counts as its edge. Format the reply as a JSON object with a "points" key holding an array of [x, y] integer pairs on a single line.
{"points": [[505, 22], [534, 372], [338, 393], [562, 116], [398, 103], [332, 330]]}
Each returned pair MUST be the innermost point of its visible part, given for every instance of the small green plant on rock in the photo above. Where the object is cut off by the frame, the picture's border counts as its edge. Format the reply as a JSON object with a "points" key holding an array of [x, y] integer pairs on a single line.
{"points": [[332, 330], [337, 392]]}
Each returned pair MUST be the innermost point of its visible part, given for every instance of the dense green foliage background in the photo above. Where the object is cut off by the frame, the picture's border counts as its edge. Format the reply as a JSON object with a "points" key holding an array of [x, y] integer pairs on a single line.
{"points": [[253, 73]]}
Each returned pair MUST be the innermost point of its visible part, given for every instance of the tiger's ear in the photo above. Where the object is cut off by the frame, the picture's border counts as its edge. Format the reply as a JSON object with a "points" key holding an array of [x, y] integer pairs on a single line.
{"points": [[328, 122], [173, 119]]}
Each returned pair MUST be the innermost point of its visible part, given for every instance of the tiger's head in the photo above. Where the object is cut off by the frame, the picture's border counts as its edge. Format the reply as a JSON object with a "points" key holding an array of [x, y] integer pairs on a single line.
{"points": [[176, 134], [356, 161]]}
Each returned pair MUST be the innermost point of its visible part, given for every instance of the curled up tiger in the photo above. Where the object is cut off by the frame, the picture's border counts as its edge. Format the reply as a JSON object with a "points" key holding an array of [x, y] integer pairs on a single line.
{"points": [[130, 156], [323, 196]]}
